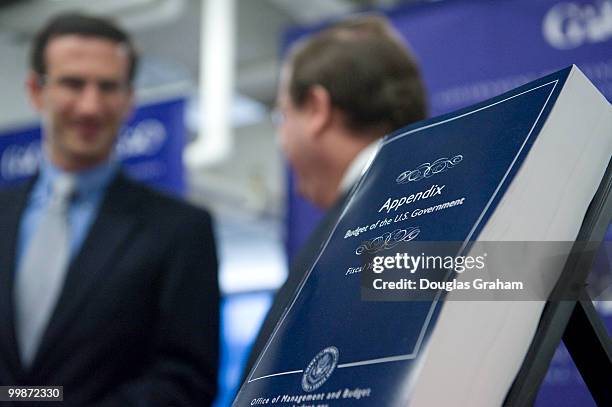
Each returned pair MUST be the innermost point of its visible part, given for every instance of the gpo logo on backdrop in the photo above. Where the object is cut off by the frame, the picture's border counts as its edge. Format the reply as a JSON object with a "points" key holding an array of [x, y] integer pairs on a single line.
{"points": [[146, 138], [19, 161], [569, 25]]}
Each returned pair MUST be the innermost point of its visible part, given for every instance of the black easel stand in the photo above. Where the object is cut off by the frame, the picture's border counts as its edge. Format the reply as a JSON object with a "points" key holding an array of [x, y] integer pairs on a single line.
{"points": [[588, 343], [585, 335], [570, 315]]}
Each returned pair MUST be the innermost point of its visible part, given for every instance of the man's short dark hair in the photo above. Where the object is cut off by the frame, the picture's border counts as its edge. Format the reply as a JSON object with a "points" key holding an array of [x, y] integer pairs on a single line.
{"points": [[80, 24], [369, 73]]}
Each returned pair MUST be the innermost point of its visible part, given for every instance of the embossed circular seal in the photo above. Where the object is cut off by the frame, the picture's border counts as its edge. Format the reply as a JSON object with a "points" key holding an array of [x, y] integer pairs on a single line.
{"points": [[320, 368]]}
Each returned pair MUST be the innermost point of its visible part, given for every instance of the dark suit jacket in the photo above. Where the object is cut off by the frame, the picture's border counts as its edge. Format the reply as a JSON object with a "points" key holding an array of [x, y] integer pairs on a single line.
{"points": [[299, 267], [137, 321]]}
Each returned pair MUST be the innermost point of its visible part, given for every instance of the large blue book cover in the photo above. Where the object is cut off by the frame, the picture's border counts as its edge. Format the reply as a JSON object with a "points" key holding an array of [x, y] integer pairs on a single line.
{"points": [[438, 180]]}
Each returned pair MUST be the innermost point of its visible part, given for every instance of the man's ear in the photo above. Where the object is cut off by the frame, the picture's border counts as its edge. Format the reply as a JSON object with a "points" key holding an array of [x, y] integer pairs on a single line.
{"points": [[34, 87], [319, 108]]}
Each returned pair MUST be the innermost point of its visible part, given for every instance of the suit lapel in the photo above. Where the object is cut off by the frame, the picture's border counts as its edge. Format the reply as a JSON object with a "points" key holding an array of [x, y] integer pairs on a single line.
{"points": [[13, 204], [114, 224], [312, 246]]}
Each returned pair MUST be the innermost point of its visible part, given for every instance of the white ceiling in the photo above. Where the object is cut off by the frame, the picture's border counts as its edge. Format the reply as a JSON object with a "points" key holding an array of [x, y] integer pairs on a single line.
{"points": [[168, 32]]}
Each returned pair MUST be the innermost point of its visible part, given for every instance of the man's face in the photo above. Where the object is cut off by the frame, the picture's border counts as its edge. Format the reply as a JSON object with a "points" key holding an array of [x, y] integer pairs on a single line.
{"points": [[294, 138], [84, 98]]}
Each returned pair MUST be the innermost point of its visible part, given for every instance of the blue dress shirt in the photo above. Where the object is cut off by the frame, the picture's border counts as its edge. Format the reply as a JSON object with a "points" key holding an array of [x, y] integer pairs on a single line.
{"points": [[90, 188]]}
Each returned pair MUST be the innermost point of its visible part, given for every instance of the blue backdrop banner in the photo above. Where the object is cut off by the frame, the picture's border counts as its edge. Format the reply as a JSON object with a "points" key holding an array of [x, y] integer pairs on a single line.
{"points": [[150, 147]]}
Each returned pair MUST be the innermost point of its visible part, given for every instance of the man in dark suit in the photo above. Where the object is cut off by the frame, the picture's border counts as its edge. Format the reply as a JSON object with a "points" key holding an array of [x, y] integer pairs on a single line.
{"points": [[107, 288], [341, 90]]}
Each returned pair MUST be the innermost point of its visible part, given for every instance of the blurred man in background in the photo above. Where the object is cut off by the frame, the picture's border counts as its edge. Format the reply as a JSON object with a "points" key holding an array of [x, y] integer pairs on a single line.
{"points": [[341, 91], [107, 287]]}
